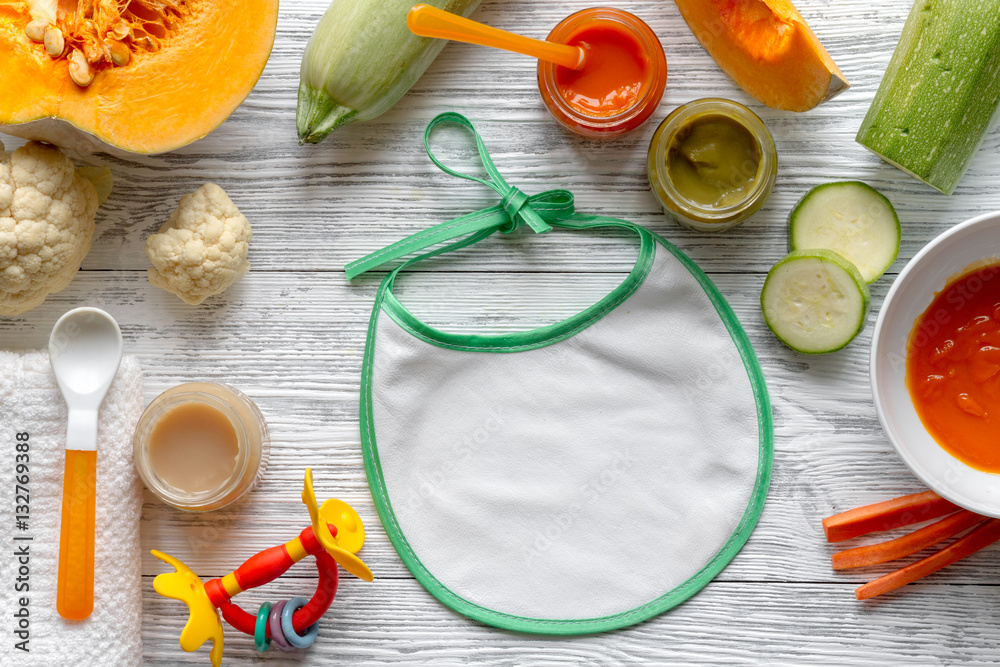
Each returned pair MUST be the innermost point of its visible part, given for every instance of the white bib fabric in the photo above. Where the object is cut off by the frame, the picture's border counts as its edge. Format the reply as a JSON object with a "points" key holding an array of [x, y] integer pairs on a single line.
{"points": [[576, 478]]}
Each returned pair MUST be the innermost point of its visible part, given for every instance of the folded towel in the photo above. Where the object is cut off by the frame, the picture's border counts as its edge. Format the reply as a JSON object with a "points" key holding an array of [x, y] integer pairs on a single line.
{"points": [[30, 403]]}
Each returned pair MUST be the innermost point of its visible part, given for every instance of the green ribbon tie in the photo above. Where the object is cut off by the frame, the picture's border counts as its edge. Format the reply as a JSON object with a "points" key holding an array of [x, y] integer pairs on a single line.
{"points": [[515, 210]]}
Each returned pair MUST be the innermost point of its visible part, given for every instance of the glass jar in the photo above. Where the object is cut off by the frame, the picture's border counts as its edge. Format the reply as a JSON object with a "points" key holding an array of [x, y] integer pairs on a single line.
{"points": [[251, 437], [694, 214], [605, 126]]}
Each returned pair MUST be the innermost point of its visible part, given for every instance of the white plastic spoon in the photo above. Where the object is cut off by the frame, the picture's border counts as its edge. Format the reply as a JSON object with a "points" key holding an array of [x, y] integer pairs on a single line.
{"points": [[85, 350]]}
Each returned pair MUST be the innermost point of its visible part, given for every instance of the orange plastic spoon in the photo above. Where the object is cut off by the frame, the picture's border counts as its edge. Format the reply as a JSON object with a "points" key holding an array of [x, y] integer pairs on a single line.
{"points": [[85, 349], [428, 21]]}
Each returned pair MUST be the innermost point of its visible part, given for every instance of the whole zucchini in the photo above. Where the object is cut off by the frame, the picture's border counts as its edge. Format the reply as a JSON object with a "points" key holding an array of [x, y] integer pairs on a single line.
{"points": [[360, 60], [940, 92]]}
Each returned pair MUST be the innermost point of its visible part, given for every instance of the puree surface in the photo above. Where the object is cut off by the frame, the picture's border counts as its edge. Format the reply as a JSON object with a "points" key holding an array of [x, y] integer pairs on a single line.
{"points": [[953, 368], [615, 73], [193, 448], [713, 161]]}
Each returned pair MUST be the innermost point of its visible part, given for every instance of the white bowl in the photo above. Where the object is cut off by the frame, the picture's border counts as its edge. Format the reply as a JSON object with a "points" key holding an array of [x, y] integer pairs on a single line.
{"points": [[927, 273]]}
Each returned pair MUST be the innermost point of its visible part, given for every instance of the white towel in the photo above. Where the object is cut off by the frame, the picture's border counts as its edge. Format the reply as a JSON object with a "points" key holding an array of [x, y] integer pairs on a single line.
{"points": [[30, 402]]}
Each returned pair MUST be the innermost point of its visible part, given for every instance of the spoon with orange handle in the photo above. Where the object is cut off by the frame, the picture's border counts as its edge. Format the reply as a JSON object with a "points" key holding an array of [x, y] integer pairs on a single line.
{"points": [[85, 350], [428, 21]]}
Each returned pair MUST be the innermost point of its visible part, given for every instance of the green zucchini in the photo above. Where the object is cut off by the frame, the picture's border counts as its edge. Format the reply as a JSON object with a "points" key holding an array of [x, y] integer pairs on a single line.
{"points": [[940, 93], [815, 301], [360, 60], [851, 218]]}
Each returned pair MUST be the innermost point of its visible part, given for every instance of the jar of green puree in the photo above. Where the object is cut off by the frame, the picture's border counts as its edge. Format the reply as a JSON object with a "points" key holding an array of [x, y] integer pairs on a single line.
{"points": [[712, 164]]}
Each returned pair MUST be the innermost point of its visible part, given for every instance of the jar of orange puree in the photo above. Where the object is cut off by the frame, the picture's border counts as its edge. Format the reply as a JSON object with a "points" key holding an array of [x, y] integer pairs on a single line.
{"points": [[622, 78], [201, 446]]}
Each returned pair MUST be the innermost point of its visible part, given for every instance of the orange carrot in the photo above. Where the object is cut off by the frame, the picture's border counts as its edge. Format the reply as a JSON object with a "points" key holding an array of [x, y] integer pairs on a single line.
{"points": [[886, 515], [918, 540], [983, 536]]}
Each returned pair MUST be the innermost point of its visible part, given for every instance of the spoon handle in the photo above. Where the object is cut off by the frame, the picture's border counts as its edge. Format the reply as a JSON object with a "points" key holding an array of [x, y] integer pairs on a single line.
{"points": [[429, 21], [81, 429], [75, 590]]}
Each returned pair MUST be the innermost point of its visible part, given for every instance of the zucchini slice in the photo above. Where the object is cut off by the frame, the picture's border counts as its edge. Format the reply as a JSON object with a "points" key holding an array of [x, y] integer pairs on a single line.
{"points": [[852, 219], [815, 301]]}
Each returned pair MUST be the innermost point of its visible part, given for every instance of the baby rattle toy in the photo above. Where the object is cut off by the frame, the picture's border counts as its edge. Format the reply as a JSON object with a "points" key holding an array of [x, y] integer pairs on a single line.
{"points": [[291, 623]]}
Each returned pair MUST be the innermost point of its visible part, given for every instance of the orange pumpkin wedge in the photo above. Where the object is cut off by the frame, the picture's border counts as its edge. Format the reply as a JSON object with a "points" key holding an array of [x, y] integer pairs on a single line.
{"points": [[145, 76], [767, 49]]}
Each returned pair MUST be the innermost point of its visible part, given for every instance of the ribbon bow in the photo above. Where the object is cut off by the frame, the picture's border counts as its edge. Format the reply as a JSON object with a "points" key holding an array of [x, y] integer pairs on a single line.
{"points": [[515, 210]]}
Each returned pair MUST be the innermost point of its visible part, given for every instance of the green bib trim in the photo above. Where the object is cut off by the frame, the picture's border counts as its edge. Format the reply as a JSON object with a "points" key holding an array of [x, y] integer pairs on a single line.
{"points": [[528, 340]]}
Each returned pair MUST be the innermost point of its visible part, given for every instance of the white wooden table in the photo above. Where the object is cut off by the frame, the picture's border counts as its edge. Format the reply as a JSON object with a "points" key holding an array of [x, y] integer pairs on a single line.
{"points": [[292, 334]]}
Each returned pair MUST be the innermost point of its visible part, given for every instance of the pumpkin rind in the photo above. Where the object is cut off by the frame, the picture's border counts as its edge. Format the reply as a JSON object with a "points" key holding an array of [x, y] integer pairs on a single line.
{"points": [[159, 101]]}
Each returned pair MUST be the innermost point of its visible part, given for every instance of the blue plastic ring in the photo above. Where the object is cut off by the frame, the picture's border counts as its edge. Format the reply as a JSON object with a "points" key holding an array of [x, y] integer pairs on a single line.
{"points": [[274, 625], [298, 641], [260, 638]]}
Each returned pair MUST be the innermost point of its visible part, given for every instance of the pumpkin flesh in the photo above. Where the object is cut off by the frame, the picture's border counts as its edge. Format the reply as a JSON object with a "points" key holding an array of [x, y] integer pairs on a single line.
{"points": [[767, 49], [189, 64]]}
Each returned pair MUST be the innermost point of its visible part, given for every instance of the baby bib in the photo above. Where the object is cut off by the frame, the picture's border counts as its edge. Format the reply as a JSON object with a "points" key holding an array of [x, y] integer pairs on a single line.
{"points": [[574, 478]]}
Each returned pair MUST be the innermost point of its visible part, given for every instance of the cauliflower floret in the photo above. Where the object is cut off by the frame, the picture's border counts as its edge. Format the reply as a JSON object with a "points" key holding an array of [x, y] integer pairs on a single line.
{"points": [[202, 249], [47, 214]]}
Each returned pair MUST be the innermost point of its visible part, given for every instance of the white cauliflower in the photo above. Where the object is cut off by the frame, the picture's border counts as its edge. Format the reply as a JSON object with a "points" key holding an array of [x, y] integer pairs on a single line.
{"points": [[47, 214], [202, 249]]}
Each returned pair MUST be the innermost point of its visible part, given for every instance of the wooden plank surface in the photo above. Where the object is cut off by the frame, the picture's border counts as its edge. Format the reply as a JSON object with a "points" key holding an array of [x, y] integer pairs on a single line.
{"points": [[292, 334]]}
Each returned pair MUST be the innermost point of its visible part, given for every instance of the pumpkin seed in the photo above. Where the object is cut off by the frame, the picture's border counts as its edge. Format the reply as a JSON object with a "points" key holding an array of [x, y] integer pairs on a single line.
{"points": [[35, 30], [120, 54], [79, 69], [54, 42]]}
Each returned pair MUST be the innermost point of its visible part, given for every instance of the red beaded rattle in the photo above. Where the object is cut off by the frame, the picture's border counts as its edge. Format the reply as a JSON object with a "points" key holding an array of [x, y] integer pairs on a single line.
{"points": [[292, 623]]}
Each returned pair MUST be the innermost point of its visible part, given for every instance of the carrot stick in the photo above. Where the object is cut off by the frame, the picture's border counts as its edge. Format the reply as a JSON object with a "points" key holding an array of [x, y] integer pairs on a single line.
{"points": [[918, 540], [983, 536], [886, 515]]}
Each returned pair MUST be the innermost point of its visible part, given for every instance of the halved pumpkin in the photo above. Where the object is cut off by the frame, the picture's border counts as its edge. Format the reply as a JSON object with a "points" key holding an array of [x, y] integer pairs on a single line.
{"points": [[146, 76], [767, 49]]}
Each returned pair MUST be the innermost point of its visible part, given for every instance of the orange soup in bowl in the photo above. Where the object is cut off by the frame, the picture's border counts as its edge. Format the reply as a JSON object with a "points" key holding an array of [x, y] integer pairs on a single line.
{"points": [[953, 368]]}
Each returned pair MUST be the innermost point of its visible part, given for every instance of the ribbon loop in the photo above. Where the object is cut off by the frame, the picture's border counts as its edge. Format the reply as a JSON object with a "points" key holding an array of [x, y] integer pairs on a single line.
{"points": [[515, 210], [496, 181]]}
